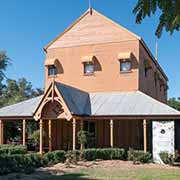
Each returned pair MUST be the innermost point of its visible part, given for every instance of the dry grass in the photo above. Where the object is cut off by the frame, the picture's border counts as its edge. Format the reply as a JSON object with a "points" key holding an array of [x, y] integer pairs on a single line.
{"points": [[102, 170]]}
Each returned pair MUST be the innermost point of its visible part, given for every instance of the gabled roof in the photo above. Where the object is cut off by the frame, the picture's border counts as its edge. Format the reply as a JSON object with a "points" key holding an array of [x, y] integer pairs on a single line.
{"points": [[91, 28], [80, 103]]}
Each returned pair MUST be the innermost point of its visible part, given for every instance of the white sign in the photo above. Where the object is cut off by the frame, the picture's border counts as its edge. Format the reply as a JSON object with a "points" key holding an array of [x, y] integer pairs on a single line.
{"points": [[163, 138]]}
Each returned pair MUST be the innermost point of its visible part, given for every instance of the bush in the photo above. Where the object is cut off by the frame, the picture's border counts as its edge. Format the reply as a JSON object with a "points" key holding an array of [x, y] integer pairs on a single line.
{"points": [[12, 149], [19, 163], [105, 154], [168, 158], [139, 156], [53, 157]]}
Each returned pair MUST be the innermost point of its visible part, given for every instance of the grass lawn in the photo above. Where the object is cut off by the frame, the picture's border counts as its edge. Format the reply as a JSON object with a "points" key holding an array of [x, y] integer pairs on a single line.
{"points": [[101, 170], [137, 172]]}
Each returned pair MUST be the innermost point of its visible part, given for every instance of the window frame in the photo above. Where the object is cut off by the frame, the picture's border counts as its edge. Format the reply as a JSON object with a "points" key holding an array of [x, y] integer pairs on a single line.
{"points": [[88, 73], [52, 68], [125, 61]]}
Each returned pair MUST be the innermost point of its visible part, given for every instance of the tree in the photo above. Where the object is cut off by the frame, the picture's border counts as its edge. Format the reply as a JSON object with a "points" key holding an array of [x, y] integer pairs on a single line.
{"points": [[170, 14], [4, 61], [17, 91], [14, 92], [175, 103]]}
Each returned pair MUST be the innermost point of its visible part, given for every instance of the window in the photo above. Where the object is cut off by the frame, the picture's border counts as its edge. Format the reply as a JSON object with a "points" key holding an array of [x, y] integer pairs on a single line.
{"points": [[88, 68], [145, 72], [125, 65], [52, 71]]}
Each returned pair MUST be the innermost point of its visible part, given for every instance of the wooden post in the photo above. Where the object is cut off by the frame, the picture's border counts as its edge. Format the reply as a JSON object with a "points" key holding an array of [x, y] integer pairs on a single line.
{"points": [[24, 132], [1, 132], [145, 135], [74, 134], [50, 135], [41, 137], [111, 134], [81, 125]]}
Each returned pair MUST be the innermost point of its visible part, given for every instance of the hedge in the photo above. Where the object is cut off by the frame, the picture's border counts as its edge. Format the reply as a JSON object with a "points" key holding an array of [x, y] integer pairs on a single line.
{"points": [[105, 154], [28, 162], [19, 163], [54, 157], [139, 156], [12, 149], [168, 158]]}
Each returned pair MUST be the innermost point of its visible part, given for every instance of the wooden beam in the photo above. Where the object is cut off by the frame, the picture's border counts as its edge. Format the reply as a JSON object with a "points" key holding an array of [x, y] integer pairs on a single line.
{"points": [[111, 134], [50, 135], [81, 126], [41, 136], [145, 134], [24, 132], [74, 134], [1, 132]]}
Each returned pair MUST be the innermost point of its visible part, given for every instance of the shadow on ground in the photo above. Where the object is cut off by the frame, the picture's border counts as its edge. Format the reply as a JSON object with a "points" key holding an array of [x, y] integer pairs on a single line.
{"points": [[69, 176]]}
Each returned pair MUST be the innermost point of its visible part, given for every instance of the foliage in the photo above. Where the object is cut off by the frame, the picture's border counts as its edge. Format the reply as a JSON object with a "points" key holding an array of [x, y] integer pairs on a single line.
{"points": [[4, 62], [175, 103], [17, 91], [53, 157], [19, 163], [12, 149], [170, 13], [105, 154], [72, 157], [83, 137], [139, 156], [168, 158], [35, 137]]}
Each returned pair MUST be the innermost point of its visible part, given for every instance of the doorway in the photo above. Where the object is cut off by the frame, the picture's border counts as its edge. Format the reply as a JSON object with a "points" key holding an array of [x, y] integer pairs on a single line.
{"points": [[90, 127]]}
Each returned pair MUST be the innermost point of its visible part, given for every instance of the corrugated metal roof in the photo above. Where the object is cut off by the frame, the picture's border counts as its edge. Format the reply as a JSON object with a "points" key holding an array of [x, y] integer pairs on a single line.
{"points": [[77, 100], [128, 103], [97, 104], [25, 108]]}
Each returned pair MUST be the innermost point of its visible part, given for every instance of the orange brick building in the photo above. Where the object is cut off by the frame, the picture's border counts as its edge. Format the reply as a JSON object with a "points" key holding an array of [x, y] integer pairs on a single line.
{"points": [[99, 77]]}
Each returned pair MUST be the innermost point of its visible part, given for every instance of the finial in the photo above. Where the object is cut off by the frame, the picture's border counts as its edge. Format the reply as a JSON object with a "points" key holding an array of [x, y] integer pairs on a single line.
{"points": [[90, 7]]}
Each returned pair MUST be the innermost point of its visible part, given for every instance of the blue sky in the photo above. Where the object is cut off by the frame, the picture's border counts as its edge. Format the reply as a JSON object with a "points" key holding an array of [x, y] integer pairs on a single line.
{"points": [[27, 26]]}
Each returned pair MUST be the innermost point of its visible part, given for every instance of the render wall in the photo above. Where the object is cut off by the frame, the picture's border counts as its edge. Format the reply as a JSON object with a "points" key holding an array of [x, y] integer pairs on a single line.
{"points": [[107, 76], [147, 83]]}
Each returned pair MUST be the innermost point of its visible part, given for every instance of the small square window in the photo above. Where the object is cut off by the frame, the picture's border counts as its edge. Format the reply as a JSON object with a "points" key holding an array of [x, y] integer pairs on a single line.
{"points": [[52, 71], [88, 68], [125, 66]]}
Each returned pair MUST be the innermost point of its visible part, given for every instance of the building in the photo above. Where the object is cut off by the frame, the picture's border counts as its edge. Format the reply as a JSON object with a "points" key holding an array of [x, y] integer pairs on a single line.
{"points": [[102, 78]]}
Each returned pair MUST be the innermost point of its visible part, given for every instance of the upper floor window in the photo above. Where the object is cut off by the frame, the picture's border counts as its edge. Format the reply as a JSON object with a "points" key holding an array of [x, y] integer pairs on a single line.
{"points": [[147, 67], [52, 70], [88, 68], [125, 65]]}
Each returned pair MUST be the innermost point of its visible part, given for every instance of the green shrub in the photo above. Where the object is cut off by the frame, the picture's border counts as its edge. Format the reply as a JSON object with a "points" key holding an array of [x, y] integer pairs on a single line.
{"points": [[105, 154], [12, 149], [53, 157], [168, 158], [72, 157], [19, 163], [139, 156]]}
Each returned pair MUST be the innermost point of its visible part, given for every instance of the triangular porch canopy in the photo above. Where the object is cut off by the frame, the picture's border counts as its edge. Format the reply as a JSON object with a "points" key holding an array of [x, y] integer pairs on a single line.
{"points": [[61, 101]]}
